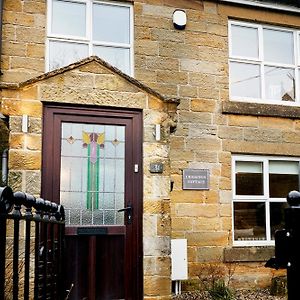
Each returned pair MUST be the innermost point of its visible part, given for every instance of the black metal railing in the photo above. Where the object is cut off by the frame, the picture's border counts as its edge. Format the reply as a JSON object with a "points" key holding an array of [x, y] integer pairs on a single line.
{"points": [[287, 246], [31, 247]]}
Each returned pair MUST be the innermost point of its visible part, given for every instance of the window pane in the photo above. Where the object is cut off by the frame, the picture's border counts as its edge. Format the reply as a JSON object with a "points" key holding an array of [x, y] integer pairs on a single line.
{"points": [[283, 178], [244, 41], [62, 54], [111, 23], [277, 216], [249, 221], [278, 46], [249, 178], [68, 18], [244, 80], [280, 83], [118, 57]]}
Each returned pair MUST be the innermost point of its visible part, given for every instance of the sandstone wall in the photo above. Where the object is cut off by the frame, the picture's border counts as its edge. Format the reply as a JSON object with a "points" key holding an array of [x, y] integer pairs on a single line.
{"points": [[191, 64]]}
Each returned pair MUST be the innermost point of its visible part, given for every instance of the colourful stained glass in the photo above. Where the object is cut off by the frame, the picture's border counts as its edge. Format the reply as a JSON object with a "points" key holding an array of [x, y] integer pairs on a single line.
{"points": [[93, 142], [92, 175]]}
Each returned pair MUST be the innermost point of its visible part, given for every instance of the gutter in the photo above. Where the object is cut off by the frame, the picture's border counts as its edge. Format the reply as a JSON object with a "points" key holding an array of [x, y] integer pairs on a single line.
{"points": [[269, 5]]}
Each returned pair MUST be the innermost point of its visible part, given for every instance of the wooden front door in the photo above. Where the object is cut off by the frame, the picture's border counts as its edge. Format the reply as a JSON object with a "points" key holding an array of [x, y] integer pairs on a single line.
{"points": [[92, 165]]}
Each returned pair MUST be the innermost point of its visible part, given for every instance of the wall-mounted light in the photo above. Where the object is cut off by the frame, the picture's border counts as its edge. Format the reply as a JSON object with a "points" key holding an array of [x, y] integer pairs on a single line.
{"points": [[179, 19], [156, 133], [25, 123]]}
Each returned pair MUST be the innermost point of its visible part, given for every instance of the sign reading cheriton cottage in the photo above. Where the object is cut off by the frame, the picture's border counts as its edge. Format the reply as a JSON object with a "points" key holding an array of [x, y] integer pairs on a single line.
{"points": [[195, 179]]}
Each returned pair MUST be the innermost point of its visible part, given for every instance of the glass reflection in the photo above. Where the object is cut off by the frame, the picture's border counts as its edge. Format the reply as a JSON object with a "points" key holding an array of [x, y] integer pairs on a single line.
{"points": [[277, 216], [280, 83], [278, 46], [244, 41], [249, 221], [249, 178], [245, 80]]}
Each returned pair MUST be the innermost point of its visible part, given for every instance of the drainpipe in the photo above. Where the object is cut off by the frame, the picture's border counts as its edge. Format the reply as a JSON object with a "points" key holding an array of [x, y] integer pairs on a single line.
{"points": [[4, 166], [1, 24]]}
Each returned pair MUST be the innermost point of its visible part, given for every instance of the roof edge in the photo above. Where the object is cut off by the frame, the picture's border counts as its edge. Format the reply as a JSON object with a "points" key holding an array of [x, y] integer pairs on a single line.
{"points": [[84, 61], [266, 5]]}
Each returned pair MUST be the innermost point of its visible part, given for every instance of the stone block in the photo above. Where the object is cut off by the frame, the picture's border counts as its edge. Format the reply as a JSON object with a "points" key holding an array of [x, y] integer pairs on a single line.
{"points": [[291, 137], [29, 93], [217, 29], [187, 196], [24, 160], [146, 47], [266, 135], [150, 265], [203, 105], [149, 21], [15, 123], [193, 117], [93, 97], [11, 47], [182, 224], [172, 77], [276, 123], [158, 34], [15, 6], [33, 142], [196, 210], [164, 225], [27, 63], [188, 91], [181, 155], [226, 223], [210, 254], [16, 141], [15, 180], [35, 125], [230, 132], [243, 121], [210, 239], [157, 286], [202, 131], [156, 246], [203, 144], [33, 182], [26, 34], [34, 7], [206, 156], [206, 223], [149, 225], [197, 66], [248, 254], [181, 51], [18, 18], [85, 80], [18, 108]]}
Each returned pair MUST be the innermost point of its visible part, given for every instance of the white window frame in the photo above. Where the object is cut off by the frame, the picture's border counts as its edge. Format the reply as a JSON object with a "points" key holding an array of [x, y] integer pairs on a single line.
{"points": [[89, 27], [262, 63], [265, 198]]}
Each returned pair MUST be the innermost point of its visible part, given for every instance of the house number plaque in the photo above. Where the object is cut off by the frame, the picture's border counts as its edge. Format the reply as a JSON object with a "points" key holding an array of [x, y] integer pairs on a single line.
{"points": [[195, 179], [156, 167]]}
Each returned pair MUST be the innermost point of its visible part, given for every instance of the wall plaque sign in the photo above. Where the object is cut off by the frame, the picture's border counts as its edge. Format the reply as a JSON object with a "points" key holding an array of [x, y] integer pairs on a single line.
{"points": [[195, 179], [157, 167]]}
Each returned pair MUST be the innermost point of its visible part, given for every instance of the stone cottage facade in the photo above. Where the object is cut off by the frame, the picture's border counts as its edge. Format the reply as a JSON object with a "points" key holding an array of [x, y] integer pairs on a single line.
{"points": [[223, 93]]}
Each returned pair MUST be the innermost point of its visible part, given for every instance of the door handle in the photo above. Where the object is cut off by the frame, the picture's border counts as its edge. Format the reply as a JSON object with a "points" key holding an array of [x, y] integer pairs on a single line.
{"points": [[128, 212]]}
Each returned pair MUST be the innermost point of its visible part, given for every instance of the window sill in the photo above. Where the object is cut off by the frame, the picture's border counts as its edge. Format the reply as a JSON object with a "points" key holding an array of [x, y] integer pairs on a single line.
{"points": [[258, 109], [248, 254]]}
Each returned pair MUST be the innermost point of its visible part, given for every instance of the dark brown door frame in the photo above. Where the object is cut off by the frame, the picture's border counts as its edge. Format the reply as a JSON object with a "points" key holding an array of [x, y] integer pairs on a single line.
{"points": [[53, 114]]}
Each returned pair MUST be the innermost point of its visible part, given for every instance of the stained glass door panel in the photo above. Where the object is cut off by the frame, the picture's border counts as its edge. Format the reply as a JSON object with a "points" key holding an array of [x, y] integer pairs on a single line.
{"points": [[92, 176]]}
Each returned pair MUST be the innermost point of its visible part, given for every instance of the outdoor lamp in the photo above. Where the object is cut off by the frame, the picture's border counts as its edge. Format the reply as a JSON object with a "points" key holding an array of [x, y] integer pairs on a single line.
{"points": [[179, 19]]}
